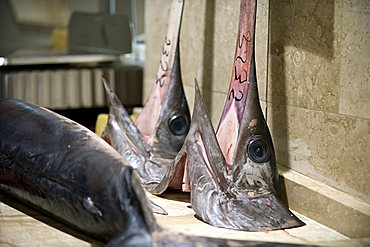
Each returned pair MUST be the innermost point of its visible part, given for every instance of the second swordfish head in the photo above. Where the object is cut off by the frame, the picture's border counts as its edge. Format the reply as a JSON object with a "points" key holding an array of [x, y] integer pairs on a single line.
{"points": [[151, 144], [232, 173]]}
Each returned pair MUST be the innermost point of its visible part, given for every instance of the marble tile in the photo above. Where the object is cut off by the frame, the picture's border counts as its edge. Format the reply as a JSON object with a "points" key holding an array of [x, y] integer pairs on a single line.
{"points": [[216, 107], [329, 147], [262, 35], [18, 229], [354, 58], [226, 21], [319, 90], [155, 25], [302, 68], [325, 204], [189, 92], [193, 44]]}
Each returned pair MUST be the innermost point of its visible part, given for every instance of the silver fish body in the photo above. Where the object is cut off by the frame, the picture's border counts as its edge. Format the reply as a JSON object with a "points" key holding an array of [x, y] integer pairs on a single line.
{"points": [[59, 167]]}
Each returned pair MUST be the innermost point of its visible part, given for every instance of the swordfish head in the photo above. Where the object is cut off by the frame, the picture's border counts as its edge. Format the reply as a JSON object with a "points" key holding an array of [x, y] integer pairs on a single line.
{"points": [[151, 153], [232, 173], [151, 144], [240, 195]]}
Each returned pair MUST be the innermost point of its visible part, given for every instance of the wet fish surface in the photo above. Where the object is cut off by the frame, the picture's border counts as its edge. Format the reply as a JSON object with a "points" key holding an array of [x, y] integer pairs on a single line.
{"points": [[59, 167], [151, 144], [232, 173]]}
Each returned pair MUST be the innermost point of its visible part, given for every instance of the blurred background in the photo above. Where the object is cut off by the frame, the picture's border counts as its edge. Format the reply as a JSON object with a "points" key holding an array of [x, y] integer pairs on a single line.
{"points": [[54, 53]]}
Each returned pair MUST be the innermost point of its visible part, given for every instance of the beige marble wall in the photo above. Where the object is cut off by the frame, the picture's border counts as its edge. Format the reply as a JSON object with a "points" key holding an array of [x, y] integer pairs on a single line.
{"points": [[313, 65], [319, 90]]}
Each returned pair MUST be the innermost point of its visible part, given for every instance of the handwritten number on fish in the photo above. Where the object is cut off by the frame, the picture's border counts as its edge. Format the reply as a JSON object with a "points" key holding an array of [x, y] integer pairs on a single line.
{"points": [[241, 59], [247, 38], [163, 63], [160, 80], [239, 77], [241, 42], [167, 42], [232, 95], [164, 68]]}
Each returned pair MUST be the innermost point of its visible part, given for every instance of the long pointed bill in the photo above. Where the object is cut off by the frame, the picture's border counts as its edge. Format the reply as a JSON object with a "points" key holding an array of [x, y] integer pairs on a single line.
{"points": [[169, 134], [229, 125], [233, 177], [165, 119], [148, 118]]}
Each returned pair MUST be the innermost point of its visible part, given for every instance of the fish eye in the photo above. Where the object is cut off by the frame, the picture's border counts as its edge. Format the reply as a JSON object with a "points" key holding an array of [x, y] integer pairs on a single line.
{"points": [[258, 150], [178, 124]]}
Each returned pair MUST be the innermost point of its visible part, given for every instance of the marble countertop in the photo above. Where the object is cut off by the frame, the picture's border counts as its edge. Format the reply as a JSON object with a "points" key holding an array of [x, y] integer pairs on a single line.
{"points": [[19, 229]]}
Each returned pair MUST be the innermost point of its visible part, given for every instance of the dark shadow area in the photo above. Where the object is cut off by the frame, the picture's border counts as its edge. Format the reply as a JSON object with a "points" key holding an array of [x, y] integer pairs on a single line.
{"points": [[84, 116], [306, 25], [176, 195], [208, 57], [282, 191]]}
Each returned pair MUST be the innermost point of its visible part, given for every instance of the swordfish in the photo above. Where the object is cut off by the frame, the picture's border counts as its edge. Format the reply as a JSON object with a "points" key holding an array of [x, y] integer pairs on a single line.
{"points": [[66, 172], [151, 144], [232, 173]]}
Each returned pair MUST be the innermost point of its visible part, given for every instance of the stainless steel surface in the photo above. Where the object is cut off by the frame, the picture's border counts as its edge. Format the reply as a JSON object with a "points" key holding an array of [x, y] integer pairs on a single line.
{"points": [[59, 80], [59, 59]]}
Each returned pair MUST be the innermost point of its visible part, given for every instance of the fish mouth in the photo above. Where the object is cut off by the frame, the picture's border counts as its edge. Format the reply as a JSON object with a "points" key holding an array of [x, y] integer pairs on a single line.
{"points": [[260, 213]]}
